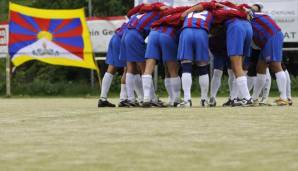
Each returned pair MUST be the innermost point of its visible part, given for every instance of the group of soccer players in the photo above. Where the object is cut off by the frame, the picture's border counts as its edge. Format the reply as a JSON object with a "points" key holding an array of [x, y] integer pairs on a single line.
{"points": [[184, 38]]}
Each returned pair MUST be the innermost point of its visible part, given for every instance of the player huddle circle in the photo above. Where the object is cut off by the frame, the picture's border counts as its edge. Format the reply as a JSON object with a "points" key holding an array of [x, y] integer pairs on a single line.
{"points": [[186, 38]]}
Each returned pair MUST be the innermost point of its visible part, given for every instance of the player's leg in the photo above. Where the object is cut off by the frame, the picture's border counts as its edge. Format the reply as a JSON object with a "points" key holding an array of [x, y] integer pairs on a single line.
{"points": [[113, 61], [202, 63], [260, 80], [123, 92], [174, 82], [135, 54], [152, 54], [239, 37], [266, 89], [218, 64], [169, 47], [186, 56], [289, 91], [273, 49]]}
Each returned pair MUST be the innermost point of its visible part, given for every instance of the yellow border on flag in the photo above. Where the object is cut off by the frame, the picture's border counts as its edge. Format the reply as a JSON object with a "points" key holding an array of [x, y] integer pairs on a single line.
{"points": [[88, 61]]}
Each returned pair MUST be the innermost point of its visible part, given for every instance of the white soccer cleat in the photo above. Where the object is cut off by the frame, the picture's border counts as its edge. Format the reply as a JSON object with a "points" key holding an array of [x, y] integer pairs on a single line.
{"points": [[185, 104]]}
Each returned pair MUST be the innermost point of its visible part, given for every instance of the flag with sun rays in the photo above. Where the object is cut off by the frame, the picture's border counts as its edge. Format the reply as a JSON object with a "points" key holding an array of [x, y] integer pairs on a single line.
{"points": [[58, 37]]}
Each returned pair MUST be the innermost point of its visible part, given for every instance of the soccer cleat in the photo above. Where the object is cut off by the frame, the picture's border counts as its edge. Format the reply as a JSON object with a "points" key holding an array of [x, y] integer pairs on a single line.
{"points": [[256, 102], [158, 103], [212, 102], [236, 102], [281, 102], [105, 103], [228, 103], [290, 102], [146, 104], [133, 103], [248, 102], [185, 104], [264, 102], [123, 104], [204, 103]]}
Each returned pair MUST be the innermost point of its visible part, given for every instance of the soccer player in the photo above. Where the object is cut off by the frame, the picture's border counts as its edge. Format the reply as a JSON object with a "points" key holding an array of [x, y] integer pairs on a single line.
{"points": [[162, 46], [193, 48], [133, 45], [114, 64], [268, 36]]}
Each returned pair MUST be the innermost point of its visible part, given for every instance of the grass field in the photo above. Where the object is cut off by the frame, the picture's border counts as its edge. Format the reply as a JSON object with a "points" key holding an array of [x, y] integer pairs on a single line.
{"points": [[72, 134]]}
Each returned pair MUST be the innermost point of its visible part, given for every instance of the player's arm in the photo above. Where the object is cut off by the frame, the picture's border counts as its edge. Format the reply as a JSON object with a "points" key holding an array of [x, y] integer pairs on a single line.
{"points": [[134, 10], [176, 10], [201, 7], [153, 7]]}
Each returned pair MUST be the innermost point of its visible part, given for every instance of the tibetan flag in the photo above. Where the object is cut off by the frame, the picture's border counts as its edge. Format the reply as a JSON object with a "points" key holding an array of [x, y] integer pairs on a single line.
{"points": [[58, 37]]}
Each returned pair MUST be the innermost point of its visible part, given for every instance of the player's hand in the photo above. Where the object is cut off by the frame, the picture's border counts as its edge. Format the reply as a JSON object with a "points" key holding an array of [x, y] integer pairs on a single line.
{"points": [[164, 8], [218, 5], [183, 15]]}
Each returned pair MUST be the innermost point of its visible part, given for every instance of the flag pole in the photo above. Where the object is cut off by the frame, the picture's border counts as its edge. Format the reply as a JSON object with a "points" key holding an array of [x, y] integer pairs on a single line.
{"points": [[91, 72], [8, 77]]}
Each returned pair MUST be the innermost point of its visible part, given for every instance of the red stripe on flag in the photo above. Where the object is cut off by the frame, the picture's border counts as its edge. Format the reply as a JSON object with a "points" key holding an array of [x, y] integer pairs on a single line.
{"points": [[17, 18], [43, 24], [72, 33], [15, 38]]}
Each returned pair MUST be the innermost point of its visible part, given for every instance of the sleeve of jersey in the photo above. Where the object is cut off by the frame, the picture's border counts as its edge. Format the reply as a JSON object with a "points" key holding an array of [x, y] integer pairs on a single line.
{"points": [[152, 7], [172, 20], [175, 10], [134, 10]]}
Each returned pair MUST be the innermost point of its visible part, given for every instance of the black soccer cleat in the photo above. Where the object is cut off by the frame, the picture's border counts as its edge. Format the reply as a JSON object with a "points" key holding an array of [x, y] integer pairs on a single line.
{"points": [[212, 102], [204, 103], [133, 103], [248, 102], [105, 103], [146, 104], [123, 103], [228, 103], [159, 104]]}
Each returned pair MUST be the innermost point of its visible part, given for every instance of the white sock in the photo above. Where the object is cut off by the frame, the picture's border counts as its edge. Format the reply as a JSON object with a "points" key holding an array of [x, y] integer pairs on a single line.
{"points": [[259, 85], [130, 86], [242, 87], [204, 85], [147, 82], [231, 81], [139, 87], [215, 82], [186, 85], [289, 92], [106, 84], [123, 94], [250, 82], [267, 87], [154, 98], [281, 81], [176, 87], [168, 88]]}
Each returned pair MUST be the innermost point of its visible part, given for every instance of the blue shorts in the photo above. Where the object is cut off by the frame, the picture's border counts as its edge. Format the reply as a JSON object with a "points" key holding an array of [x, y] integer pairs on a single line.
{"points": [[246, 62], [193, 45], [133, 46], [239, 37], [220, 62], [161, 46], [272, 51], [114, 52]]}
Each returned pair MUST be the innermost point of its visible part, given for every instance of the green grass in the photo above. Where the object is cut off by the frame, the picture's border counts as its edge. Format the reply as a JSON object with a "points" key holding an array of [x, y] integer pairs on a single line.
{"points": [[72, 134]]}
